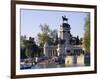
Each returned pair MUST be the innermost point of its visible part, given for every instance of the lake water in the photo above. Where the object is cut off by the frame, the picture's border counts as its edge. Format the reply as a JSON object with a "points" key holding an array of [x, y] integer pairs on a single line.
{"points": [[39, 66], [55, 65], [52, 65]]}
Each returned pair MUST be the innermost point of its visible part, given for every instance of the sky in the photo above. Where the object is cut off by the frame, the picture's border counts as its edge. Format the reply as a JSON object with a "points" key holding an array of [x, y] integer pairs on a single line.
{"points": [[31, 20]]}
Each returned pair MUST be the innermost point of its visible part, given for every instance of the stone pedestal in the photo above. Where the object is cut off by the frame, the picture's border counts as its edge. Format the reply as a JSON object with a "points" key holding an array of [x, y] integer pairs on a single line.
{"points": [[69, 61], [80, 60]]}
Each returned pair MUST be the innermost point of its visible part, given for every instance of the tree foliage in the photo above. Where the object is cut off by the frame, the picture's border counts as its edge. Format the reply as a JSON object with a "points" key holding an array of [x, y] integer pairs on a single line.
{"points": [[22, 47], [46, 35], [86, 41], [22, 39], [29, 48]]}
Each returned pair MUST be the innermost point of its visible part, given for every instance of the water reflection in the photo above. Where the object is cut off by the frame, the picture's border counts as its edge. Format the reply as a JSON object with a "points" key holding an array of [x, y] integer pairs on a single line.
{"points": [[51, 65], [70, 61], [38, 66]]}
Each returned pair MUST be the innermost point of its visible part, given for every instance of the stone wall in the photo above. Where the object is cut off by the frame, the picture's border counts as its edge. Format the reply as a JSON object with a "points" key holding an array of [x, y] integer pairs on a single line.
{"points": [[74, 60]]}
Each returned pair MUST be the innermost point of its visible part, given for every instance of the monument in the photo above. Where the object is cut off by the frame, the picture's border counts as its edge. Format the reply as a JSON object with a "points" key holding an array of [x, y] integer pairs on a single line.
{"points": [[67, 45], [64, 45]]}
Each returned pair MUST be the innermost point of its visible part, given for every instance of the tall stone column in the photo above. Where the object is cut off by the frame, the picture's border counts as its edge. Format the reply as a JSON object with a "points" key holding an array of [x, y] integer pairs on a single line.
{"points": [[65, 35], [58, 50], [46, 48]]}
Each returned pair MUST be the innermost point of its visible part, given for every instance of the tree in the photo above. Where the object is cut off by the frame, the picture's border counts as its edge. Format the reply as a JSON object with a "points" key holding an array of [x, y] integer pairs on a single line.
{"points": [[22, 47], [43, 36], [28, 48], [22, 39], [46, 35], [81, 41], [86, 39], [32, 50], [54, 36]]}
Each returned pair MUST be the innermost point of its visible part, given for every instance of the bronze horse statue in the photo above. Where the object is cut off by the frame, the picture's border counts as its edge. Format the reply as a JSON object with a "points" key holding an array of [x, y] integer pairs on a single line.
{"points": [[64, 18]]}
